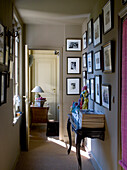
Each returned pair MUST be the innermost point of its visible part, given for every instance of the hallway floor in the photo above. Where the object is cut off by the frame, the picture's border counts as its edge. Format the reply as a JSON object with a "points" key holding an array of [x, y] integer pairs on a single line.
{"points": [[46, 155]]}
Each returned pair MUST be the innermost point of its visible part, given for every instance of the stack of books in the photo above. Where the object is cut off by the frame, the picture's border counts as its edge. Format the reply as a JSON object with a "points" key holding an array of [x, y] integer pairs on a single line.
{"points": [[91, 119]]}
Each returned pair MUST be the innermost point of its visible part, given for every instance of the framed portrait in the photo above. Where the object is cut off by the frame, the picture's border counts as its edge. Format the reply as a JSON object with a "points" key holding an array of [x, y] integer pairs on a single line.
{"points": [[11, 46], [90, 62], [73, 65], [7, 52], [92, 89], [107, 57], [73, 44], [84, 39], [107, 17], [97, 57], [3, 87], [88, 85], [90, 31], [73, 86], [84, 60], [98, 89], [2, 44], [97, 31], [124, 2], [84, 75], [106, 96]]}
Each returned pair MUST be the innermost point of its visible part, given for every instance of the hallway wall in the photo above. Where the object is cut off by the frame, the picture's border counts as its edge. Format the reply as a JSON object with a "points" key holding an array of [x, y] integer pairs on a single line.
{"points": [[107, 152], [9, 133]]}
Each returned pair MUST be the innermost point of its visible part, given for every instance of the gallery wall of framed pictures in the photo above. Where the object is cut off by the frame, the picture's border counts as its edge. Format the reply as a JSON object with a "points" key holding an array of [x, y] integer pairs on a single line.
{"points": [[6, 55], [98, 56]]}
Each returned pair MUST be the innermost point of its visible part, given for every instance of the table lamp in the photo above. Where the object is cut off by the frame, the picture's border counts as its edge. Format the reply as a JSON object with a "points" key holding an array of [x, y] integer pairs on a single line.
{"points": [[37, 90]]}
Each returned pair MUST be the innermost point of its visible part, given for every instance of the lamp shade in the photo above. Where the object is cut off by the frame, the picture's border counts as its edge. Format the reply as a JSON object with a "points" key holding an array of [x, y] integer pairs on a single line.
{"points": [[37, 89]]}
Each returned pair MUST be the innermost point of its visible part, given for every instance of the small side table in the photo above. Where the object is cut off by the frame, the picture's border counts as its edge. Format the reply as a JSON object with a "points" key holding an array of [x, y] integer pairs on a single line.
{"points": [[39, 114]]}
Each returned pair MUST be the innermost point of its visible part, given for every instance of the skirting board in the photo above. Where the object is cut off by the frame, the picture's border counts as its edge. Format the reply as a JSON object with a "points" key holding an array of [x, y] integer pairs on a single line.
{"points": [[94, 162]]}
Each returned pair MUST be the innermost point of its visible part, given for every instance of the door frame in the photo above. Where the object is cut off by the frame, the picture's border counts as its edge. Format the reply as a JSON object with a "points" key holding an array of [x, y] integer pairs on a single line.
{"points": [[60, 83], [121, 16]]}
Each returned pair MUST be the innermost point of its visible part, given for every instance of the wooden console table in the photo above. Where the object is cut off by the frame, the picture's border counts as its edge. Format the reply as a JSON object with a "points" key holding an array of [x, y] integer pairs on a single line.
{"points": [[39, 114], [81, 134]]}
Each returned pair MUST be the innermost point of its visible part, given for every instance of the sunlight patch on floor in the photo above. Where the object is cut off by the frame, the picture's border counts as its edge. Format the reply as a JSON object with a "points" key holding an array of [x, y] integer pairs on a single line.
{"points": [[63, 144]]}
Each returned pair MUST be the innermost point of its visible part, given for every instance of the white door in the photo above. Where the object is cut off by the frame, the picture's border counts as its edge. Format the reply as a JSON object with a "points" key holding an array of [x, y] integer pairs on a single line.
{"points": [[27, 106], [46, 77]]}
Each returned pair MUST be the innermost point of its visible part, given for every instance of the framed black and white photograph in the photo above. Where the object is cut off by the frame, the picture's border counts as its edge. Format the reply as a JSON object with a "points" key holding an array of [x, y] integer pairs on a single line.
{"points": [[124, 2], [98, 89], [73, 65], [97, 57], [90, 31], [107, 17], [97, 31], [73, 44], [84, 60], [2, 44], [3, 82], [106, 96], [88, 85], [84, 39], [107, 57], [84, 75], [90, 62], [73, 86], [92, 86]]}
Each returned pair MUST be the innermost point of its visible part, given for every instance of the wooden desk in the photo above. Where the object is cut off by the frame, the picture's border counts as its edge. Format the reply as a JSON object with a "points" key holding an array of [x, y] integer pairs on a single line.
{"points": [[81, 134], [39, 114]]}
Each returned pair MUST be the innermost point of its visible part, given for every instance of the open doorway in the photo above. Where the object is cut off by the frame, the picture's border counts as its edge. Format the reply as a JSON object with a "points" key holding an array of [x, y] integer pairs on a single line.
{"points": [[44, 72]]}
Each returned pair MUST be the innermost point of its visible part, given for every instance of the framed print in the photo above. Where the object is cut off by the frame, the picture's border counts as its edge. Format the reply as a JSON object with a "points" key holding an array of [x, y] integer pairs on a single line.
{"points": [[97, 31], [90, 31], [73, 86], [2, 44], [84, 60], [92, 89], [88, 85], [84, 39], [90, 62], [107, 57], [73, 65], [11, 46], [73, 44], [3, 82], [106, 96], [98, 89], [124, 2], [107, 17], [84, 75], [97, 57], [7, 51]]}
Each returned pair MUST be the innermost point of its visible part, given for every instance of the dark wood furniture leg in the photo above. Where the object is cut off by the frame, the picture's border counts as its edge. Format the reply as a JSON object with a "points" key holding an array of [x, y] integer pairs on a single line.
{"points": [[69, 135], [78, 142]]}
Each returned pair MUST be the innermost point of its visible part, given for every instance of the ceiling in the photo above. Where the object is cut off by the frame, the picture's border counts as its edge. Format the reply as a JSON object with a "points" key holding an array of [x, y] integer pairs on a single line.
{"points": [[54, 11]]}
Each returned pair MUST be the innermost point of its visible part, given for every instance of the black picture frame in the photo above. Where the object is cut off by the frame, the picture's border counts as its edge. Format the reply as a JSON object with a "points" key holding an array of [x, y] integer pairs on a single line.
{"points": [[73, 85], [90, 62], [106, 96], [84, 76], [73, 65], [98, 80], [97, 32], [92, 89], [2, 44], [90, 32], [124, 2], [73, 44], [7, 58], [11, 44], [3, 88], [84, 60], [107, 12], [107, 57], [98, 60], [84, 40], [88, 85]]}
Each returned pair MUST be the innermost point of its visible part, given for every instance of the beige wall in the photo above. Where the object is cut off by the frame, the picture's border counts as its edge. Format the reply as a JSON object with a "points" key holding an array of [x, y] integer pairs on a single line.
{"points": [[107, 152]]}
